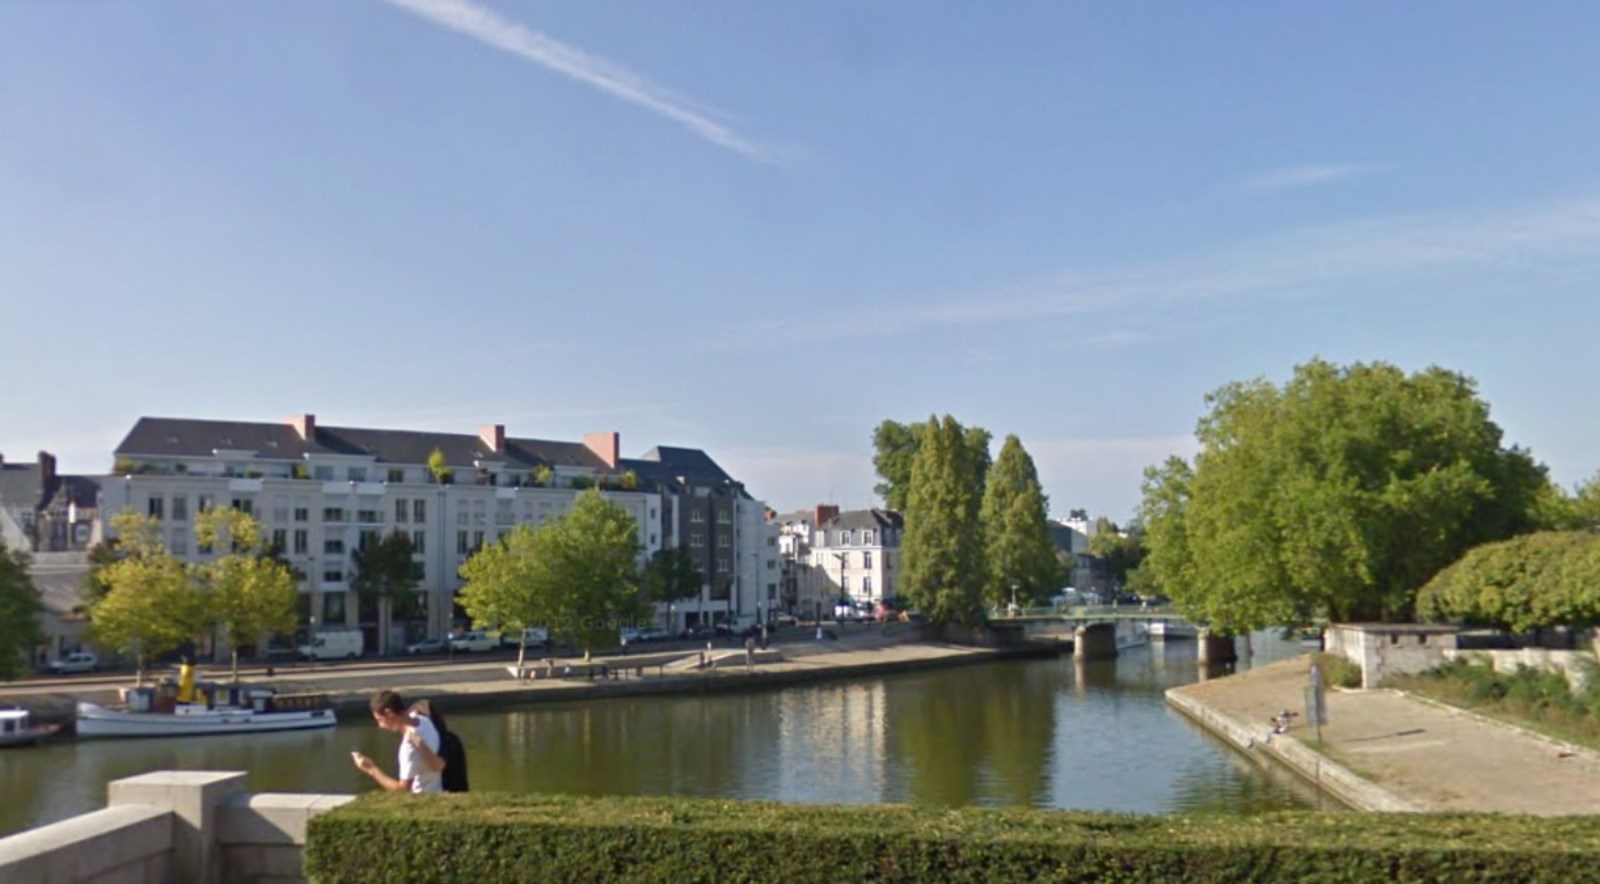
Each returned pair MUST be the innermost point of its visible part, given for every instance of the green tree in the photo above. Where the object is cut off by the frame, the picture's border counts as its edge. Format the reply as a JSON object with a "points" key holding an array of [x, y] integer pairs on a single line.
{"points": [[1580, 510], [577, 576], [1120, 552], [152, 607], [942, 553], [1017, 547], [437, 466], [895, 448], [1551, 578], [246, 593], [670, 575], [1337, 495], [19, 613], [385, 571]]}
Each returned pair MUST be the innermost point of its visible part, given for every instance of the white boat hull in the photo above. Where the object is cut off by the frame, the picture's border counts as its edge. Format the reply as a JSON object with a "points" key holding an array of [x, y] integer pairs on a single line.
{"points": [[98, 721]]}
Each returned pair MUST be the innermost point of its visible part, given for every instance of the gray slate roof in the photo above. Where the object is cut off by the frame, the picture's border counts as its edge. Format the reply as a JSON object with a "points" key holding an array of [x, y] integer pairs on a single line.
{"points": [[19, 485], [182, 437], [873, 518]]}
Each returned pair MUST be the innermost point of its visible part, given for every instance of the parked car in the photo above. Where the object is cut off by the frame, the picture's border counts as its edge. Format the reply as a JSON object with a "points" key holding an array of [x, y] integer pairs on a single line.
{"points": [[77, 661], [698, 631], [785, 620], [654, 634], [427, 646], [334, 644], [475, 641], [629, 635], [533, 637]]}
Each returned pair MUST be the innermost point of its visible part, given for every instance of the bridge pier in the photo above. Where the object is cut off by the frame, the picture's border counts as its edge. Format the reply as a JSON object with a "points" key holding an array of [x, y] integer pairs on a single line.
{"points": [[1094, 641], [1213, 648]]}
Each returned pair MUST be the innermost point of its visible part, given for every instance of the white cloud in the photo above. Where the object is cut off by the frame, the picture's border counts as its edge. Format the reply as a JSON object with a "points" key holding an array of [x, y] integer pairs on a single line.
{"points": [[1296, 261], [1304, 176], [490, 28]]}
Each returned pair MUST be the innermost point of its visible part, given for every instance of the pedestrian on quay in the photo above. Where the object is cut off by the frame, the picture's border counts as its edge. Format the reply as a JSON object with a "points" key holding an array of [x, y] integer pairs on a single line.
{"points": [[389, 713], [450, 762]]}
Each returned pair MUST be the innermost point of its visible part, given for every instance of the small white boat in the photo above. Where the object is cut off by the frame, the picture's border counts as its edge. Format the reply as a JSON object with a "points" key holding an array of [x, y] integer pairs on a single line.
{"points": [[187, 709], [1163, 630], [17, 730]]}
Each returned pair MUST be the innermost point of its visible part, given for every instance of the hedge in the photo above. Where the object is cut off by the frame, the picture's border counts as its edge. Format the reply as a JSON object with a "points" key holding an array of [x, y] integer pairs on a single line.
{"points": [[483, 837]]}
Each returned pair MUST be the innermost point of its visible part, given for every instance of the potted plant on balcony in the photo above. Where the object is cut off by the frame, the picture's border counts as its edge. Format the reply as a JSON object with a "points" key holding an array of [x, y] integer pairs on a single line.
{"points": [[442, 474]]}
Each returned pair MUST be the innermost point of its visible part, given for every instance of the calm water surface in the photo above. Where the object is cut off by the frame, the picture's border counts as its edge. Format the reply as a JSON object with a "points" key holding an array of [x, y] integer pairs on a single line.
{"points": [[1045, 733]]}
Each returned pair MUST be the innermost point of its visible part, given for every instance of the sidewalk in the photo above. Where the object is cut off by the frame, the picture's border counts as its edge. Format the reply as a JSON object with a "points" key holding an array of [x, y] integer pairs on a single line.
{"points": [[1434, 758]]}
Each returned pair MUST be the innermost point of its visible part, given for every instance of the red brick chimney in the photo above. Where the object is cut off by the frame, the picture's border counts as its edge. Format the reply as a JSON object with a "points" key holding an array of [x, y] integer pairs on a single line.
{"points": [[824, 512], [493, 436], [305, 425], [606, 446]]}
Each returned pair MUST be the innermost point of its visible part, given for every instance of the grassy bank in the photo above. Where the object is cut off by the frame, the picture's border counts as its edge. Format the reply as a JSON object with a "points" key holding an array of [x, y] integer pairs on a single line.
{"points": [[1535, 699]]}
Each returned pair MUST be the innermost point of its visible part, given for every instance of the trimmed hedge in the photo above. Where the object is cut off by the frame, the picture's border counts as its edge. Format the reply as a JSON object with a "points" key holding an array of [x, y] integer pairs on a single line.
{"points": [[487, 837]]}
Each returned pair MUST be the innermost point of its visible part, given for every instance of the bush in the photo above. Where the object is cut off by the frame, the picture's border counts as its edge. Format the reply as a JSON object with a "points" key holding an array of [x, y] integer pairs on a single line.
{"points": [[486, 837], [1338, 671]]}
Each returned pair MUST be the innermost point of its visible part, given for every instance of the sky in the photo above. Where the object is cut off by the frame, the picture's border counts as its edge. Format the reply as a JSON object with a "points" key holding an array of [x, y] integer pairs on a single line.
{"points": [[762, 228]]}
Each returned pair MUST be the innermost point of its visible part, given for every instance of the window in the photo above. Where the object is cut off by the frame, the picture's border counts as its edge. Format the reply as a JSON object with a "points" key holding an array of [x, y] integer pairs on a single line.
{"points": [[697, 517], [358, 474], [333, 546], [333, 575], [417, 544], [772, 564], [724, 517], [280, 511], [323, 474], [155, 506], [480, 512], [397, 476], [502, 513], [723, 566], [280, 539], [301, 541], [462, 546], [698, 538], [369, 517], [244, 505], [477, 540], [844, 538], [866, 584], [180, 543], [180, 507], [401, 512], [302, 514], [844, 582], [369, 539], [461, 512], [333, 608], [866, 537], [866, 560], [419, 511], [332, 514]]}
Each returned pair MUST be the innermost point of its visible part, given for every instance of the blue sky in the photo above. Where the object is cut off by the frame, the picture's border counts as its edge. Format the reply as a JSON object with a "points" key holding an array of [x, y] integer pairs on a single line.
{"points": [[761, 228]]}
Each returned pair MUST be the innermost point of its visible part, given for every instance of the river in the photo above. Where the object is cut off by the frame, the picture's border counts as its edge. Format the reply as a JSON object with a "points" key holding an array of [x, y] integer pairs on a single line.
{"points": [[1042, 733]]}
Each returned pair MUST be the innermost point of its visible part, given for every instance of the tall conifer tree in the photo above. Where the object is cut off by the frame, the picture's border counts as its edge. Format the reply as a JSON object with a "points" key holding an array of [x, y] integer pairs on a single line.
{"points": [[942, 550], [1020, 555]]}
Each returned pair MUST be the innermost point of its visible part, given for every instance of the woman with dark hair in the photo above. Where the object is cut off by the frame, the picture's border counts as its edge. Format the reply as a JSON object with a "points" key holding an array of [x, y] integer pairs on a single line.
{"points": [[451, 759]]}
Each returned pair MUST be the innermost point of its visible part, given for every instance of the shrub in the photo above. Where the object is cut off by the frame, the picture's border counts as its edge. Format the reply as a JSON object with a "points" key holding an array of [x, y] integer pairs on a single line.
{"points": [[487, 837], [1338, 671]]}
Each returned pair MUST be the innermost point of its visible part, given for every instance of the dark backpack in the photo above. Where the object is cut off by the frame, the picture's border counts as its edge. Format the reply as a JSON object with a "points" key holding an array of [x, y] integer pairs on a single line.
{"points": [[454, 777]]}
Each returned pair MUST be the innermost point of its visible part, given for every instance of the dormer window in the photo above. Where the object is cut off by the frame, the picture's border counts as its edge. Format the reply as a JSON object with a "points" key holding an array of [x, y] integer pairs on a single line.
{"points": [[844, 538], [866, 537]]}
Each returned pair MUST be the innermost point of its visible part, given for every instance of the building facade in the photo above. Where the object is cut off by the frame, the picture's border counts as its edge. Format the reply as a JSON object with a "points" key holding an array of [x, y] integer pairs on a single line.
{"points": [[321, 492], [831, 557]]}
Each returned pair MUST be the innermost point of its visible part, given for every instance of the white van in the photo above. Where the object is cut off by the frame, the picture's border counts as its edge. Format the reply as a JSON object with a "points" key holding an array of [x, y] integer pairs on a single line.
{"points": [[341, 644]]}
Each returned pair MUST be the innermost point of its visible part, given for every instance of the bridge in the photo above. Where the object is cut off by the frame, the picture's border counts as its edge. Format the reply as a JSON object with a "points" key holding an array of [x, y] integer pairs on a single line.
{"points": [[1099, 631]]}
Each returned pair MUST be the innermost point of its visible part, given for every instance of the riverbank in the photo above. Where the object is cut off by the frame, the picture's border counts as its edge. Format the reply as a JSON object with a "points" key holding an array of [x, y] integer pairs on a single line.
{"points": [[1383, 750], [488, 685]]}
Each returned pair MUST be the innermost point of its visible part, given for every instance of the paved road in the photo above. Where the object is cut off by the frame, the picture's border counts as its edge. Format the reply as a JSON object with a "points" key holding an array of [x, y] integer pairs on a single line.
{"points": [[1440, 758]]}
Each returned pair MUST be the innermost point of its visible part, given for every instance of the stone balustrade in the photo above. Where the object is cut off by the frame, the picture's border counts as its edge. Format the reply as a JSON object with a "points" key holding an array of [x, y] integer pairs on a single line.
{"points": [[189, 827]]}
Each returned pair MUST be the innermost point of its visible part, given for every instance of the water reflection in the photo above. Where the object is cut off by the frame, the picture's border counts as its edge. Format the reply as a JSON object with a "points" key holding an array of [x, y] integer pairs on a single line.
{"points": [[1055, 733]]}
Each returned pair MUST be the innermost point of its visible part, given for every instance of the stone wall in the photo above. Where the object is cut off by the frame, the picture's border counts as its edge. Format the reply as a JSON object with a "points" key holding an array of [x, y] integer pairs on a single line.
{"points": [[1575, 666], [188, 827], [1385, 649]]}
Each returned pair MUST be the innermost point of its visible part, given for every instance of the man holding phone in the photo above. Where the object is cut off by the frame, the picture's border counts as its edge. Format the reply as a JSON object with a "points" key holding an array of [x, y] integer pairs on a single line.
{"points": [[390, 713]]}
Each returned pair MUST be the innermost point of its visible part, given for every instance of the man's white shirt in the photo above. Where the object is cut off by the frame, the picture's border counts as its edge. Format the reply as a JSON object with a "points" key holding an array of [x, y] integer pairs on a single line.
{"points": [[411, 769]]}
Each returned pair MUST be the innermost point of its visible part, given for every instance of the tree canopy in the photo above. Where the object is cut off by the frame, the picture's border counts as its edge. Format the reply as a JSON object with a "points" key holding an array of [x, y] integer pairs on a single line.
{"points": [[385, 570], [671, 575], [246, 593], [895, 447], [1020, 555], [577, 576], [19, 613], [1336, 495], [152, 607], [942, 551], [1121, 552], [1551, 578]]}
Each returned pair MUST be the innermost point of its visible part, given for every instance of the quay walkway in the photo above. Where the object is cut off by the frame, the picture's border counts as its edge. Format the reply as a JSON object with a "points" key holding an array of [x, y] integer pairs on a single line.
{"points": [[1414, 754]]}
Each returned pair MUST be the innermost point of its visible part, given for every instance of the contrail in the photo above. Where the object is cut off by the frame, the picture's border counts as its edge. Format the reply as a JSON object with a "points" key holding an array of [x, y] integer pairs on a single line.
{"points": [[487, 26]]}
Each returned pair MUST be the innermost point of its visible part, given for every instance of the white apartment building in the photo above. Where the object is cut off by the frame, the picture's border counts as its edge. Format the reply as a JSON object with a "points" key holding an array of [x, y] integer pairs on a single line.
{"points": [[320, 492], [831, 556]]}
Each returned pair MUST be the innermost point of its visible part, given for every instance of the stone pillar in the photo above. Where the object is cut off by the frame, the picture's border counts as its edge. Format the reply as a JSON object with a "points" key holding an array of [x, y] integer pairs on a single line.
{"points": [[1213, 648], [1094, 641], [193, 797]]}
